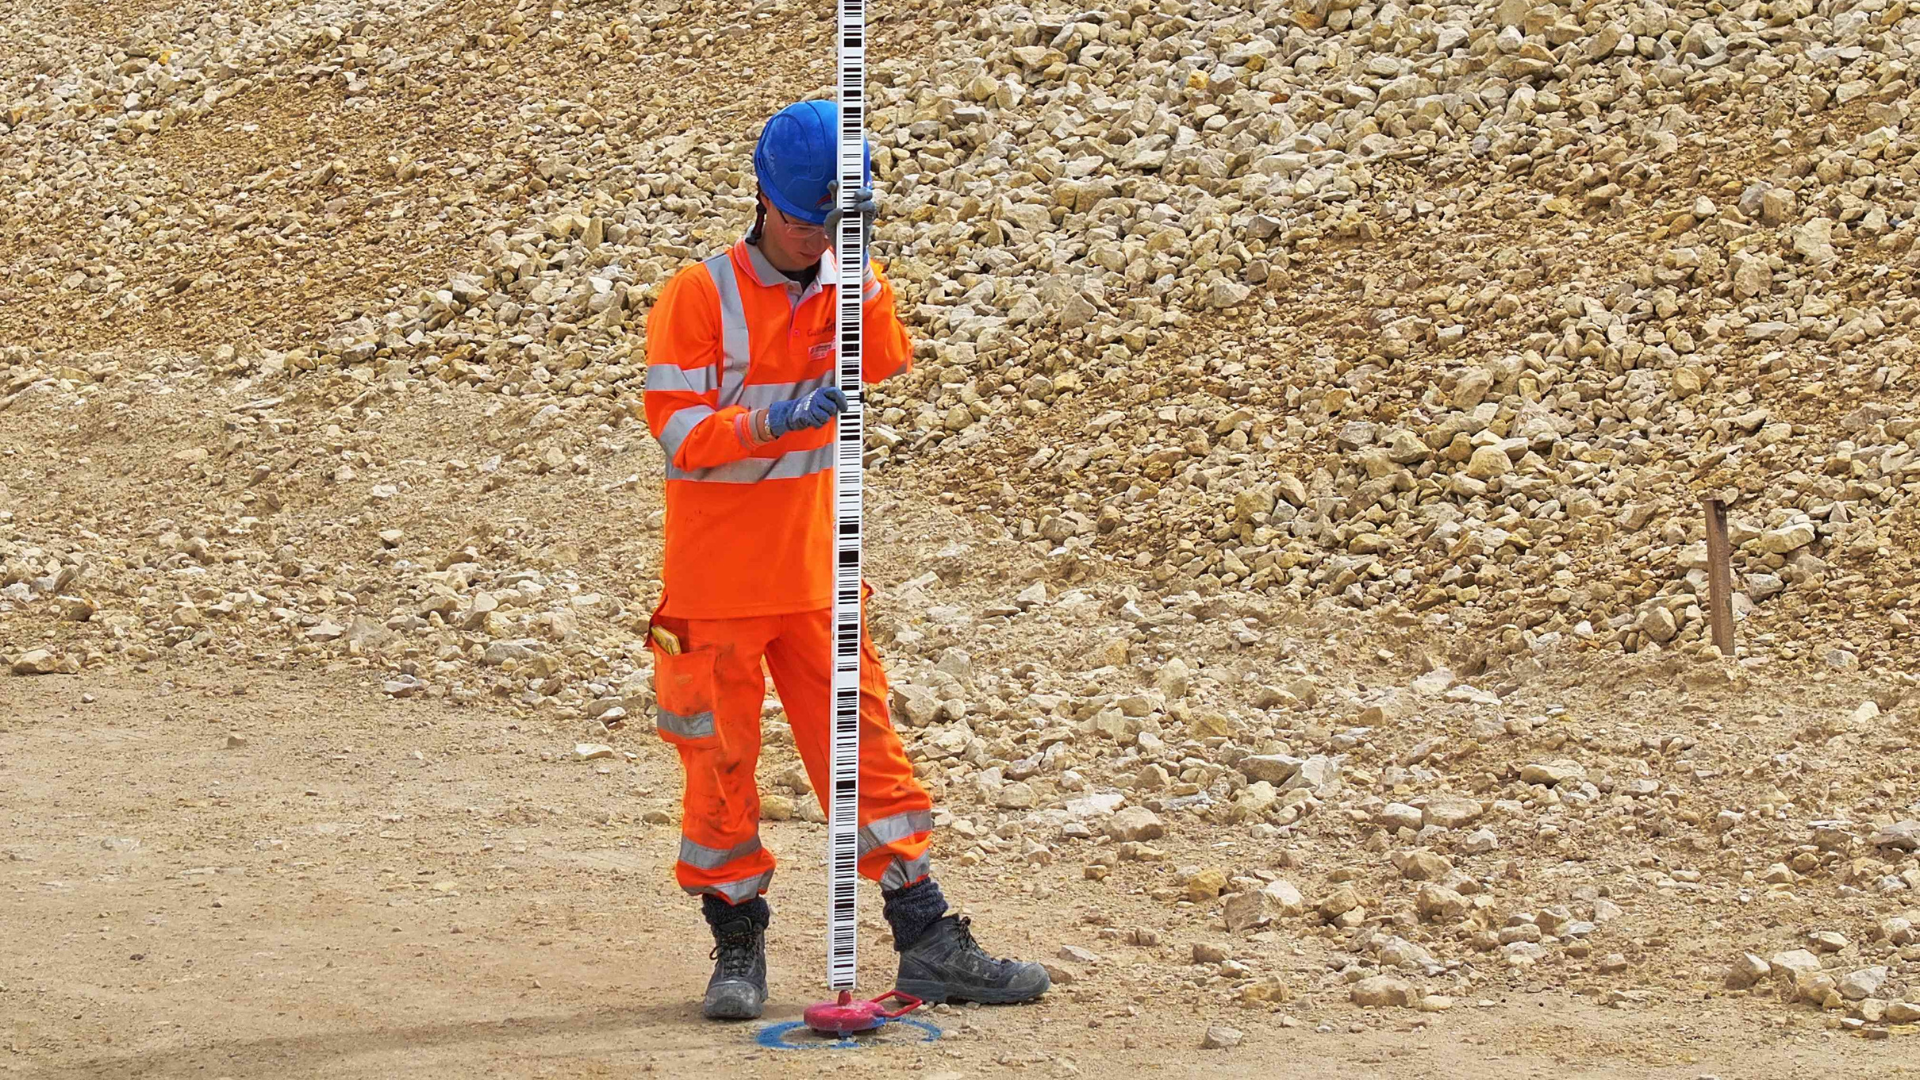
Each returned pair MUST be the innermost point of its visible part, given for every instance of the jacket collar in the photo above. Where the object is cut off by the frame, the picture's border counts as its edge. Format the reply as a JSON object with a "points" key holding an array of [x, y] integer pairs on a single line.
{"points": [[766, 275]]}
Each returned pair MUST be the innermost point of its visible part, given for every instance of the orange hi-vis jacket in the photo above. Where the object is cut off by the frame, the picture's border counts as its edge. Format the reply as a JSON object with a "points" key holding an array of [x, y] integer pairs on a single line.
{"points": [[749, 529]]}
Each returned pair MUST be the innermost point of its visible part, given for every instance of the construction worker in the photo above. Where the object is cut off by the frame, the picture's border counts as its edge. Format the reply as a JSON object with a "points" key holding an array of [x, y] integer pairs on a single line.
{"points": [[741, 394]]}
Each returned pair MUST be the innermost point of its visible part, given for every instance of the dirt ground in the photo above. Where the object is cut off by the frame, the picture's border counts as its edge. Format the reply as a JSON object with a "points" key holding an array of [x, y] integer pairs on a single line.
{"points": [[363, 888], [338, 614]]}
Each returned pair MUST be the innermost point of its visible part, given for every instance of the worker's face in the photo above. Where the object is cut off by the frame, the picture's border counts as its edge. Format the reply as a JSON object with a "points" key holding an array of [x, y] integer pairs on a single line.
{"points": [[791, 244]]}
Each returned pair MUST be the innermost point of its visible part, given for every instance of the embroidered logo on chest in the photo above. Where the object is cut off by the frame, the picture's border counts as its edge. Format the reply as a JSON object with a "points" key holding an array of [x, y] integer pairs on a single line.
{"points": [[820, 351]]}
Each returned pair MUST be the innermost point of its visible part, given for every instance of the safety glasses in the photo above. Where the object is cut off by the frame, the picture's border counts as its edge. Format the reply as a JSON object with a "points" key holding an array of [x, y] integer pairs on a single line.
{"points": [[800, 232]]}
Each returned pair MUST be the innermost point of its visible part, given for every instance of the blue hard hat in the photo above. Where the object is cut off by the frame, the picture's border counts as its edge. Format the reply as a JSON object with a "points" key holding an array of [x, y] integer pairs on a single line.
{"points": [[796, 160]]}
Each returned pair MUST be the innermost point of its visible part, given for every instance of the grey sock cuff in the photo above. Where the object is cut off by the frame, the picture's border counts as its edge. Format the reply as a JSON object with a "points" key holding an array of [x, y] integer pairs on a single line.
{"points": [[910, 911], [718, 912]]}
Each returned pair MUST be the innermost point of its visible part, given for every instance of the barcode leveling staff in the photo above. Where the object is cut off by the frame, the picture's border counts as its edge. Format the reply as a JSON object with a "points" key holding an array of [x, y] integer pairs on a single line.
{"points": [[850, 244]]}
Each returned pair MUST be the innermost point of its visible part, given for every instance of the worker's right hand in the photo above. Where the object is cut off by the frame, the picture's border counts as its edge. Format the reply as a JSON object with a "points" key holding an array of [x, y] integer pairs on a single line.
{"points": [[813, 411], [865, 203]]}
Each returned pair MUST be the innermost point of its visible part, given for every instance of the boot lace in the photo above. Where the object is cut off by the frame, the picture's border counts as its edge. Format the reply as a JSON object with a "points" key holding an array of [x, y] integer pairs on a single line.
{"points": [[967, 946], [735, 951]]}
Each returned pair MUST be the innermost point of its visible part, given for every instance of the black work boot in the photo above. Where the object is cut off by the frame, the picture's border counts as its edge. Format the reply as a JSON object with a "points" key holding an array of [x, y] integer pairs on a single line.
{"points": [[945, 964], [738, 989]]}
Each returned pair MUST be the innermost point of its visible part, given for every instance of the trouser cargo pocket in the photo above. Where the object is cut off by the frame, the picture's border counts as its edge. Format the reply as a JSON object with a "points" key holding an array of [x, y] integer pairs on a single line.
{"points": [[683, 690]]}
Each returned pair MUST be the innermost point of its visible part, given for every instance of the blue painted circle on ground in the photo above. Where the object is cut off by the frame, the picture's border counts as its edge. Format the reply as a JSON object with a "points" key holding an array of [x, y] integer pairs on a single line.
{"points": [[774, 1036]]}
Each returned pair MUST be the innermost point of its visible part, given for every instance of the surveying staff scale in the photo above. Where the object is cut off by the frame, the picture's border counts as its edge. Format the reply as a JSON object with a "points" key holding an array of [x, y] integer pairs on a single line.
{"points": [[850, 248]]}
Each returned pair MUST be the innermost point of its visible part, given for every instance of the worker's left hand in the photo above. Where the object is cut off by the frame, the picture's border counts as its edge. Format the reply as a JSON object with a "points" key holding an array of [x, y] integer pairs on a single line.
{"points": [[868, 206], [812, 411]]}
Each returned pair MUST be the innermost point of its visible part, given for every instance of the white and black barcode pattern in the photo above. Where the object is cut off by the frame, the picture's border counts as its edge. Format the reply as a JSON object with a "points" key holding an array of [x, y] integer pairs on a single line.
{"points": [[843, 818]]}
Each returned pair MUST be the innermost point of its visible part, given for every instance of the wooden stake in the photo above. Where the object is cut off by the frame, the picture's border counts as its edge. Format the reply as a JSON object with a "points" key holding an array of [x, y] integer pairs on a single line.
{"points": [[1719, 577]]}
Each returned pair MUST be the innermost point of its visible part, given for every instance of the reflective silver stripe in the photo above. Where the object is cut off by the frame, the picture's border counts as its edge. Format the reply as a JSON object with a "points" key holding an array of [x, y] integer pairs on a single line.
{"points": [[734, 346], [761, 395], [679, 426], [892, 830], [734, 892], [901, 873], [708, 858], [697, 726], [872, 291], [797, 463], [788, 466], [674, 379]]}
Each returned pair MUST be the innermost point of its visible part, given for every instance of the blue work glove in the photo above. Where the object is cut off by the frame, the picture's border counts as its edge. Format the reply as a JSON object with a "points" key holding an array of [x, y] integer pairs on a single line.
{"points": [[868, 207], [800, 414]]}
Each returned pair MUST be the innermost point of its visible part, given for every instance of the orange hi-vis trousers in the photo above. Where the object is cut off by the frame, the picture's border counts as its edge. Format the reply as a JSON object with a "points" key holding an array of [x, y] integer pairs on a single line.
{"points": [[710, 696]]}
